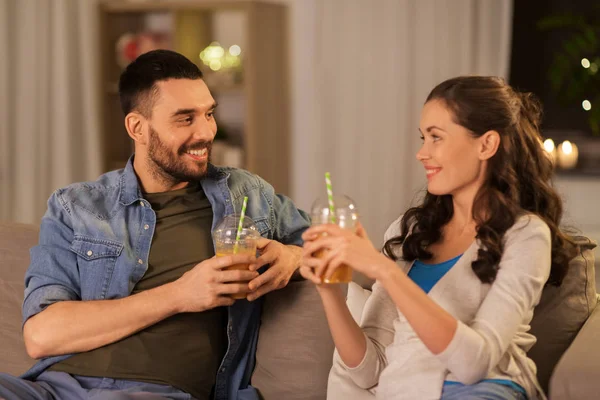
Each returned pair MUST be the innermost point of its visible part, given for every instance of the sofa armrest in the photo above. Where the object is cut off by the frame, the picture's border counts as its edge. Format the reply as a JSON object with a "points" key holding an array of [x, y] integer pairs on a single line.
{"points": [[576, 374]]}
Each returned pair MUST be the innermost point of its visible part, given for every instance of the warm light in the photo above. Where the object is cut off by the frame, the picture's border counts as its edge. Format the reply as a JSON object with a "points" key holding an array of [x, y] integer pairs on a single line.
{"points": [[587, 106], [549, 145], [235, 50], [567, 155], [230, 61], [214, 50], [593, 68], [585, 63], [211, 53], [215, 65]]}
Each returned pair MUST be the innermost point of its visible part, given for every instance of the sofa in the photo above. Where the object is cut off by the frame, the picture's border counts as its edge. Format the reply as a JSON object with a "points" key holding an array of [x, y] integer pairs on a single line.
{"points": [[294, 355]]}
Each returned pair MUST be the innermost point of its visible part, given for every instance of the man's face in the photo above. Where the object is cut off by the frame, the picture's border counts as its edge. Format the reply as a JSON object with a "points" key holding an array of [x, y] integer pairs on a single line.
{"points": [[181, 129]]}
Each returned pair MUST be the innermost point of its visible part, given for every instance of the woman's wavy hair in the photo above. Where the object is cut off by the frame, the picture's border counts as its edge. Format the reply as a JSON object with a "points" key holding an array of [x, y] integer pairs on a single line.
{"points": [[518, 178]]}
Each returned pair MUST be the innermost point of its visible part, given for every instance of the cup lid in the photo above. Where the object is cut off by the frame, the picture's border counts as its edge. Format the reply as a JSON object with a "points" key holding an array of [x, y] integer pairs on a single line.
{"points": [[229, 226], [345, 210]]}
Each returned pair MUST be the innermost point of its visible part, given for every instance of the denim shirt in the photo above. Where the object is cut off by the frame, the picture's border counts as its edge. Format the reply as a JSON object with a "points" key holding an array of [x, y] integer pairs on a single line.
{"points": [[95, 240]]}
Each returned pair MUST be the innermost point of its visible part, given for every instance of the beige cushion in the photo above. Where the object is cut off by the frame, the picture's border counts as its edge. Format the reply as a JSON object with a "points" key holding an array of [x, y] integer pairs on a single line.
{"points": [[563, 311], [15, 242], [295, 348]]}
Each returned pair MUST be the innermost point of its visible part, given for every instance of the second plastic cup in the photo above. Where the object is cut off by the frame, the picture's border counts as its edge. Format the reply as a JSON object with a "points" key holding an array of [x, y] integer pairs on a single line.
{"points": [[345, 215], [224, 237]]}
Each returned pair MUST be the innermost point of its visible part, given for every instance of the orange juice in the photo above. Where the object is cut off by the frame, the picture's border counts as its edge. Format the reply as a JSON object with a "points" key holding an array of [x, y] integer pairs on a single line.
{"points": [[343, 273], [339, 210], [228, 241], [245, 247]]}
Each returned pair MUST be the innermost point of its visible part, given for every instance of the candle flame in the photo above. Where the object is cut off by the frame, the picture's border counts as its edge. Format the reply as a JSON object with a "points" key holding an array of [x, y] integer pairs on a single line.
{"points": [[567, 148], [549, 145]]}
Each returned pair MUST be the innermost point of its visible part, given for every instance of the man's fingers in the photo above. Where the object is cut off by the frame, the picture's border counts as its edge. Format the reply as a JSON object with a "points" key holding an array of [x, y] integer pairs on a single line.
{"points": [[225, 276], [267, 276], [261, 291], [223, 301], [263, 260], [232, 259], [232, 288], [262, 243]]}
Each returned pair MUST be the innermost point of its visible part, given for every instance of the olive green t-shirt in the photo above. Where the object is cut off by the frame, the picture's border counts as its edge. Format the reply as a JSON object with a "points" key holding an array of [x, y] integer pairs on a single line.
{"points": [[184, 350]]}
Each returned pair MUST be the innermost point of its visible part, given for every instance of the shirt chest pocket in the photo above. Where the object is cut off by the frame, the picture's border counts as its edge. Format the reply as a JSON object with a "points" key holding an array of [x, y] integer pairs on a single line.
{"points": [[96, 260], [263, 227]]}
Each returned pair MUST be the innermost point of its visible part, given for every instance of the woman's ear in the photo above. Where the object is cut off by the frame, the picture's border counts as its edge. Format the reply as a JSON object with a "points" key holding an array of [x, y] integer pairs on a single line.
{"points": [[488, 145]]}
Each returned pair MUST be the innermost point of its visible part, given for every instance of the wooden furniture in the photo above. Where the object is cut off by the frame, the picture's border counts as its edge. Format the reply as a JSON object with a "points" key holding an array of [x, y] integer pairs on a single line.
{"points": [[262, 94]]}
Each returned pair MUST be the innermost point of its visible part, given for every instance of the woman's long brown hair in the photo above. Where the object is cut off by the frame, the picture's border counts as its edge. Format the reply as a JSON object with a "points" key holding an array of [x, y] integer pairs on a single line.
{"points": [[518, 178]]}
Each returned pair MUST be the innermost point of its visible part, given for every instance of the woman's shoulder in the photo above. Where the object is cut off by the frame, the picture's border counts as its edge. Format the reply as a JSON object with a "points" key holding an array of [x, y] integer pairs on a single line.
{"points": [[526, 225], [393, 230]]}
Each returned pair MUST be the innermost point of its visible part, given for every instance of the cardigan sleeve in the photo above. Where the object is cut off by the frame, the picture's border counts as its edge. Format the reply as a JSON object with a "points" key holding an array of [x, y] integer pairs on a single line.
{"points": [[477, 347]]}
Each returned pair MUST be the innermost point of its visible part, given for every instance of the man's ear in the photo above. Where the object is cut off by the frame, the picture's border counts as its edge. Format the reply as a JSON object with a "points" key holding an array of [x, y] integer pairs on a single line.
{"points": [[488, 145], [136, 123]]}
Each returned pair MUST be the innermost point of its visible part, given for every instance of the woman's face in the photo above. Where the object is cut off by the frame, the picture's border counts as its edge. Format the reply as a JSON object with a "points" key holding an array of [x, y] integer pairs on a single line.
{"points": [[450, 153]]}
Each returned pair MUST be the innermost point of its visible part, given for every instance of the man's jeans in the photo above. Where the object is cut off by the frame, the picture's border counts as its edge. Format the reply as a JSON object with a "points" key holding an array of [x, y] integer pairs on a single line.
{"points": [[51, 385]]}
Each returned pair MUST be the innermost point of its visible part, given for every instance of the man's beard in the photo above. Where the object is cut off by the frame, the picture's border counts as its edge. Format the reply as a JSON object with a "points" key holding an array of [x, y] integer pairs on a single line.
{"points": [[171, 167]]}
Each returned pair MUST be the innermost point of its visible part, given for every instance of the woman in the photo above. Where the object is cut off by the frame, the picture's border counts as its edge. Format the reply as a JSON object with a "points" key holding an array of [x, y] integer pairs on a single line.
{"points": [[460, 274]]}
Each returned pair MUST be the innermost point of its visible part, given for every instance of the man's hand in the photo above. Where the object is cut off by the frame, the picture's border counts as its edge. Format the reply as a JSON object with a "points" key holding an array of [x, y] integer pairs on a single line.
{"points": [[284, 261], [67, 327], [209, 284]]}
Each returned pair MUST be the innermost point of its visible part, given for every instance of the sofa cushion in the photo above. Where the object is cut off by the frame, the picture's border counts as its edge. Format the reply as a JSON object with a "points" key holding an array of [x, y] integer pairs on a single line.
{"points": [[563, 310], [15, 242], [295, 348]]}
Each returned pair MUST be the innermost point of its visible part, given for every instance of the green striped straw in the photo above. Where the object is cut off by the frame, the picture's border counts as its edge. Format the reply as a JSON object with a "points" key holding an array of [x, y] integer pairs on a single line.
{"points": [[240, 225], [330, 197]]}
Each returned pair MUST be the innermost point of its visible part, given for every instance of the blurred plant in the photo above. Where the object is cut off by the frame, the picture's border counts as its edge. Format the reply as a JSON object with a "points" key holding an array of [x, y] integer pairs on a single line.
{"points": [[573, 74]]}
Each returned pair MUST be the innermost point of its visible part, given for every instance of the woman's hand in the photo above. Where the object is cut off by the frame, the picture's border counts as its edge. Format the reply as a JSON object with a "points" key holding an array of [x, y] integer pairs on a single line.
{"points": [[340, 247]]}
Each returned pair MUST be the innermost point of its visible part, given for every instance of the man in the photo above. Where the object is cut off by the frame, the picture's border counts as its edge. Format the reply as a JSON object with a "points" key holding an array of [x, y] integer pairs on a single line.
{"points": [[124, 297]]}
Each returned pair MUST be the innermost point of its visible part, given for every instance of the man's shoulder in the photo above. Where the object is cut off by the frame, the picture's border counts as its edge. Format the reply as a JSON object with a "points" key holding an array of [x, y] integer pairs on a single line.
{"points": [[93, 196], [245, 181], [105, 183]]}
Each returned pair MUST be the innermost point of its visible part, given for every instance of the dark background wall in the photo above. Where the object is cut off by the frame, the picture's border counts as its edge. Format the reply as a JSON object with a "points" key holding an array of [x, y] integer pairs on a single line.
{"points": [[533, 52]]}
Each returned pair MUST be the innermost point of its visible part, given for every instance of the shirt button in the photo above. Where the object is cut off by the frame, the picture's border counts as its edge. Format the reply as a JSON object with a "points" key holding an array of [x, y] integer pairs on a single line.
{"points": [[146, 227], [142, 204], [140, 261], [89, 252]]}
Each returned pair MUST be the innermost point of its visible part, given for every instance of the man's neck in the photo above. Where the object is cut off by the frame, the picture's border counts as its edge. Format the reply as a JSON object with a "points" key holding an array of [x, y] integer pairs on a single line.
{"points": [[153, 181]]}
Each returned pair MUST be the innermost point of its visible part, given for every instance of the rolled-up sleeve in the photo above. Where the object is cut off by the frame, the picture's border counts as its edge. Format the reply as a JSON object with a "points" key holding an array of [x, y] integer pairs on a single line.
{"points": [[288, 221], [52, 275]]}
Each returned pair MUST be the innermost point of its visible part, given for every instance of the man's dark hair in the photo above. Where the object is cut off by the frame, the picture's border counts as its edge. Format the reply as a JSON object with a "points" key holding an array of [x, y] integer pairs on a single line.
{"points": [[137, 84]]}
